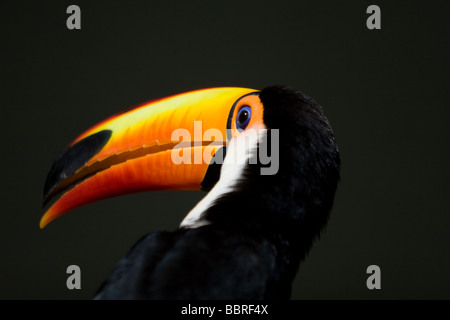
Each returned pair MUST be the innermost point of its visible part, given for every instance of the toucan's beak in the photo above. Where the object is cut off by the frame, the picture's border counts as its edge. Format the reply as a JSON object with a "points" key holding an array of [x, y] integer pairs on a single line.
{"points": [[161, 145]]}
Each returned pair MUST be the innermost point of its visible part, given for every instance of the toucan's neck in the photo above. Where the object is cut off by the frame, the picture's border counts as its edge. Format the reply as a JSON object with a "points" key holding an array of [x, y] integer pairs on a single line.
{"points": [[289, 206], [264, 204], [272, 206]]}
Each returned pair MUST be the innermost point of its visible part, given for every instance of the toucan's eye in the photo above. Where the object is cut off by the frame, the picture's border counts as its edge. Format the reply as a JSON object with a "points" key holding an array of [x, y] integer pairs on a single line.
{"points": [[243, 118]]}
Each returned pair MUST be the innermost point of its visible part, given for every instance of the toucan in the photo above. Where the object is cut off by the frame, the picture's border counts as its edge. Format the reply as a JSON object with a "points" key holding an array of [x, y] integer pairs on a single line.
{"points": [[268, 160]]}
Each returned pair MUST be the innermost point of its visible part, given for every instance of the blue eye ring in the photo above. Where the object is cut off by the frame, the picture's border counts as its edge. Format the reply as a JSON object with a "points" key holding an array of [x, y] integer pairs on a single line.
{"points": [[243, 118]]}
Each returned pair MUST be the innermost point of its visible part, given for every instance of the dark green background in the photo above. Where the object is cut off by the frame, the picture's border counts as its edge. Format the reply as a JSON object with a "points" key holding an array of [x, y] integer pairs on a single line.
{"points": [[384, 91]]}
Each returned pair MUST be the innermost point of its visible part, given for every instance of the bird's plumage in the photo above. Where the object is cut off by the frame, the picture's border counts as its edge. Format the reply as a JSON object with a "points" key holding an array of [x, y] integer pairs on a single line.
{"points": [[257, 233]]}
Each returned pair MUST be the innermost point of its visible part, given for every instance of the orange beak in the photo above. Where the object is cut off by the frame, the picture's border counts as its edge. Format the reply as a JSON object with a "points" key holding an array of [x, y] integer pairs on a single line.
{"points": [[165, 144]]}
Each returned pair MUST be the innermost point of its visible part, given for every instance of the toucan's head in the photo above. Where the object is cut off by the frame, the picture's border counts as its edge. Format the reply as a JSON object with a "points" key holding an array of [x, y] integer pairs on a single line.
{"points": [[266, 157]]}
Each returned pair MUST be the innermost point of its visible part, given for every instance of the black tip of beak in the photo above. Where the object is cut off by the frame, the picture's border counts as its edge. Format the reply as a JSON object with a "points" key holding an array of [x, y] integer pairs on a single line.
{"points": [[71, 160]]}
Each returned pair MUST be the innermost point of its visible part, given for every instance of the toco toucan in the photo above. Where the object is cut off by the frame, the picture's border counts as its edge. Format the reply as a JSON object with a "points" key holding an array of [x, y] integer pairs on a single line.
{"points": [[268, 159]]}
